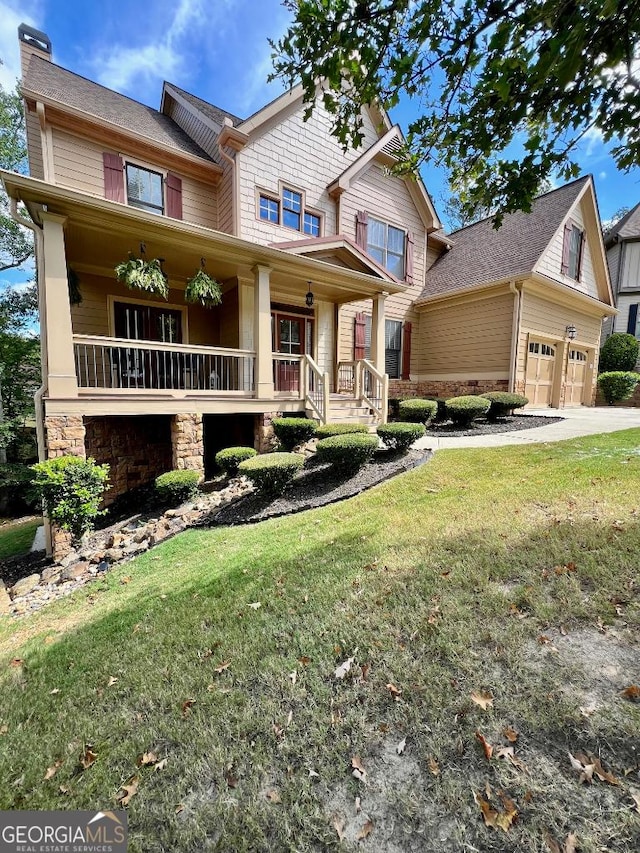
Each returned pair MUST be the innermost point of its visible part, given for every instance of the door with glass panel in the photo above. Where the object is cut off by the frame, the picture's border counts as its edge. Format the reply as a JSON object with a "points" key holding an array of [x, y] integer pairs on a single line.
{"points": [[147, 368], [292, 336]]}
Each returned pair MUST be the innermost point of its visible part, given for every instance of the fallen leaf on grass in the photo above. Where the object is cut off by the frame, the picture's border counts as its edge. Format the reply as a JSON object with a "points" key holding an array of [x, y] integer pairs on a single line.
{"points": [[16, 662], [338, 825], [632, 692], [357, 805], [54, 691], [358, 769], [510, 734], [486, 746], [400, 748], [179, 808], [587, 711], [273, 796], [4, 729], [494, 818], [365, 831], [255, 605], [293, 676], [602, 774], [396, 692], [125, 580], [343, 669], [569, 845], [304, 660], [146, 758], [88, 757], [128, 790], [583, 767], [230, 778], [434, 767], [482, 698], [160, 765], [508, 754], [112, 681], [186, 706], [635, 796], [222, 666], [51, 771]]}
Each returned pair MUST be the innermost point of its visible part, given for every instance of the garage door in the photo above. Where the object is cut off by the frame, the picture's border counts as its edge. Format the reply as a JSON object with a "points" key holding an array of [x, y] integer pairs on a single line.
{"points": [[541, 359], [576, 372]]}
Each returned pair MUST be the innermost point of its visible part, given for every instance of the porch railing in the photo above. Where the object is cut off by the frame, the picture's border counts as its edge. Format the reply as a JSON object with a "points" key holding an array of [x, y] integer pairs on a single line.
{"points": [[287, 374], [122, 364], [374, 388], [316, 389], [346, 377]]}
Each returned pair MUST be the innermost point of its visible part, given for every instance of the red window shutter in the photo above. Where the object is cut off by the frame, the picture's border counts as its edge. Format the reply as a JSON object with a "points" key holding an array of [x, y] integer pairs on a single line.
{"points": [[174, 196], [566, 247], [408, 260], [580, 255], [362, 218], [406, 350], [113, 177], [359, 331]]}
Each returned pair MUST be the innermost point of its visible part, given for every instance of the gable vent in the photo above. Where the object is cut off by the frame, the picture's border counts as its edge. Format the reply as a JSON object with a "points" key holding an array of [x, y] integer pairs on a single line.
{"points": [[392, 148]]}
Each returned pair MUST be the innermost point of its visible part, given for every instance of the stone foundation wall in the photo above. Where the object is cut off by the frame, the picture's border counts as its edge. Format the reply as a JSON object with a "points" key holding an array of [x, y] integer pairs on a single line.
{"points": [[187, 443], [445, 387], [265, 439], [64, 436], [137, 449]]}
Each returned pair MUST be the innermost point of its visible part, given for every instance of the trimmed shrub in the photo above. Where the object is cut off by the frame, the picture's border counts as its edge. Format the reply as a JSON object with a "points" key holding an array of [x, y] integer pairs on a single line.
{"points": [[617, 385], [619, 353], [17, 493], [327, 430], [400, 436], [464, 410], [417, 410], [175, 487], [293, 431], [502, 402], [229, 458], [271, 473], [71, 489], [349, 452]]}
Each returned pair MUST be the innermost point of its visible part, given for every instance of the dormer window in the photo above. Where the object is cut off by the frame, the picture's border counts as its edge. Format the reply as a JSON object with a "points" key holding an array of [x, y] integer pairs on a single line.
{"points": [[144, 189]]}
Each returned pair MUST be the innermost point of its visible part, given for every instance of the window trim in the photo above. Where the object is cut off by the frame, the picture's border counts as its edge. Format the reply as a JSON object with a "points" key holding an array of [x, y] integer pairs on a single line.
{"points": [[368, 334], [149, 208], [278, 197], [385, 248], [570, 229]]}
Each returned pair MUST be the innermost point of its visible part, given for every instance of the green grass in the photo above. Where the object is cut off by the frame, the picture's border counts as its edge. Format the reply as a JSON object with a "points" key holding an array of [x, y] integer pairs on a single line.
{"points": [[441, 582], [16, 537]]}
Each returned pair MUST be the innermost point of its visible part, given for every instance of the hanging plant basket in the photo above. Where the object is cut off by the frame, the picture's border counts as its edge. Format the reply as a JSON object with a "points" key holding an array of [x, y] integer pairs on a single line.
{"points": [[203, 290], [140, 274]]}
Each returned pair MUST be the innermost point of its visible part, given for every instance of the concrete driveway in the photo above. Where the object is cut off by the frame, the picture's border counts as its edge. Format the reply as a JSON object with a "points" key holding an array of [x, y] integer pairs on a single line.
{"points": [[577, 422]]}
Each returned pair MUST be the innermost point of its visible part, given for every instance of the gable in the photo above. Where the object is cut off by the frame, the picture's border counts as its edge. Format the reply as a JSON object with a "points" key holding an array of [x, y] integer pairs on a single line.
{"points": [[594, 274]]}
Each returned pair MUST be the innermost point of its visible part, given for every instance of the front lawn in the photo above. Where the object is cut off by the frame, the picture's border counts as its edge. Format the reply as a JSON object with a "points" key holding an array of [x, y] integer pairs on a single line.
{"points": [[16, 537], [482, 610]]}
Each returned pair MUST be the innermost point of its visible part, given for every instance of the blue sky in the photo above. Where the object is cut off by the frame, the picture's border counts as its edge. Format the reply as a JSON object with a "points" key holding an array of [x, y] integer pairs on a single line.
{"points": [[217, 49]]}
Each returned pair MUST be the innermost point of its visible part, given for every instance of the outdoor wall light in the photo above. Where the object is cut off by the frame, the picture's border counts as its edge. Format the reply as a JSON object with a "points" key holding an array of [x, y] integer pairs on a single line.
{"points": [[572, 332], [309, 297]]}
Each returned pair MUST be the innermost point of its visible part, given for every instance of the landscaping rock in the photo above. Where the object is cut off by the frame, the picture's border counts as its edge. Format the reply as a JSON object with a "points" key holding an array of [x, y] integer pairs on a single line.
{"points": [[51, 574], [24, 586], [77, 570], [112, 555], [71, 557]]}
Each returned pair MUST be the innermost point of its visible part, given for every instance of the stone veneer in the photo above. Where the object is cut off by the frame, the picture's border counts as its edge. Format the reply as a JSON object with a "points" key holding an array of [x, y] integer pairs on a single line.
{"points": [[64, 436], [187, 442], [265, 439], [444, 387], [136, 448]]}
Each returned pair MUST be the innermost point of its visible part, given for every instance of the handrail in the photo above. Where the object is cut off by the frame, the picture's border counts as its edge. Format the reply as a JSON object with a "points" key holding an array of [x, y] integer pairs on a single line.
{"points": [[133, 343], [316, 389], [374, 388]]}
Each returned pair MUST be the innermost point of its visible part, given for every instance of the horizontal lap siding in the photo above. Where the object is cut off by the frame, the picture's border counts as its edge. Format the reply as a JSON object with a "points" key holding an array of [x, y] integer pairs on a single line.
{"points": [[550, 263], [202, 135], [550, 318], [302, 154], [90, 317], [199, 203], [472, 337], [34, 146]]}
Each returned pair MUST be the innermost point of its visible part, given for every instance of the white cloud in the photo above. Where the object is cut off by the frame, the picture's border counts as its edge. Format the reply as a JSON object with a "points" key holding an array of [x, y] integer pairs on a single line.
{"points": [[12, 14]]}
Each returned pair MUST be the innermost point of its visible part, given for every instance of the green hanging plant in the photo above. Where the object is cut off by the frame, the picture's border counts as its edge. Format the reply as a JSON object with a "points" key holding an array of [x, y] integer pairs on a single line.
{"points": [[75, 297], [141, 274], [202, 289]]}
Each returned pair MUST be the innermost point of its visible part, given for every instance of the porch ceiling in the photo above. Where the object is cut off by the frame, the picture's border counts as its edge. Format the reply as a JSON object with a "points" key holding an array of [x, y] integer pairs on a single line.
{"points": [[100, 233]]}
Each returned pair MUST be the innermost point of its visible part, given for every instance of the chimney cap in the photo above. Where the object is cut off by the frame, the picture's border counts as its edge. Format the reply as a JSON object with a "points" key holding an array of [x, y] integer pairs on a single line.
{"points": [[34, 38]]}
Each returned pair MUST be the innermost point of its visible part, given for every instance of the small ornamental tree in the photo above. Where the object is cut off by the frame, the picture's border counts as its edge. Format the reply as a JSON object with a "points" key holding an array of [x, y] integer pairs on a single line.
{"points": [[619, 352], [71, 490]]}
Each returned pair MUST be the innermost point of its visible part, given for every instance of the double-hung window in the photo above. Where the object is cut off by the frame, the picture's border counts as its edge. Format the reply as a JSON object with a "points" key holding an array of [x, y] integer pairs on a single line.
{"points": [[386, 244], [392, 345], [291, 209], [288, 209], [572, 250], [144, 189]]}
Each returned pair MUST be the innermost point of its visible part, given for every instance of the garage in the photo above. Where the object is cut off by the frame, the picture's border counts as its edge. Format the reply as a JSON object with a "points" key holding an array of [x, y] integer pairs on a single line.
{"points": [[541, 359], [576, 375]]}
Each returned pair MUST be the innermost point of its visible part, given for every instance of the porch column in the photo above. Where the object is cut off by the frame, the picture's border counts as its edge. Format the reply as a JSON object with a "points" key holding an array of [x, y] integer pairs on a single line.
{"points": [[57, 334], [377, 331], [262, 332]]}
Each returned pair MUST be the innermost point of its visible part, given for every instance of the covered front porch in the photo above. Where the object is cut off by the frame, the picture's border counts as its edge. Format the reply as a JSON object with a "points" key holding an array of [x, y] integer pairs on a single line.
{"points": [[272, 345]]}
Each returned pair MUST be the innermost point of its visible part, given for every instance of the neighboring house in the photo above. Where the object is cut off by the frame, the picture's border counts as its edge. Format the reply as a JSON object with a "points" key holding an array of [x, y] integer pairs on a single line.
{"points": [[339, 285], [622, 243]]}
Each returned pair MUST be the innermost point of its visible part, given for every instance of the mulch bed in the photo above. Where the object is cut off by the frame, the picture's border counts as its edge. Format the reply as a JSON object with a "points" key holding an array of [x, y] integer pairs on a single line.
{"points": [[13, 569], [316, 486], [485, 427]]}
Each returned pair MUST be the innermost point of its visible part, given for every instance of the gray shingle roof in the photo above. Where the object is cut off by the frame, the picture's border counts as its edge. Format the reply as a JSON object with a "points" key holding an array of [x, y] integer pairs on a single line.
{"points": [[481, 254], [626, 228], [52, 81], [216, 114]]}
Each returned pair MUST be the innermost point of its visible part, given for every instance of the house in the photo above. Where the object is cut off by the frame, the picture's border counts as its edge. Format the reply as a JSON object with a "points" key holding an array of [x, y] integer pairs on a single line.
{"points": [[622, 242], [339, 285]]}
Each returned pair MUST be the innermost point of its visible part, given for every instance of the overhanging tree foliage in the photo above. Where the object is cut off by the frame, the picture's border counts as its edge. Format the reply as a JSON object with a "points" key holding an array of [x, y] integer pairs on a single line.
{"points": [[507, 90], [16, 244]]}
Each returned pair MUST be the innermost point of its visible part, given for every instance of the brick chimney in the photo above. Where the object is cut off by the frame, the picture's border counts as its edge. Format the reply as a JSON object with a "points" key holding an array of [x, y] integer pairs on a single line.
{"points": [[32, 43]]}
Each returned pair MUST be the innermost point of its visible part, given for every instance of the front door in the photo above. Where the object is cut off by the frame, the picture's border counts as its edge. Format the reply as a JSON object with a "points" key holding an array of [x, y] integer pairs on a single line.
{"points": [[291, 334]]}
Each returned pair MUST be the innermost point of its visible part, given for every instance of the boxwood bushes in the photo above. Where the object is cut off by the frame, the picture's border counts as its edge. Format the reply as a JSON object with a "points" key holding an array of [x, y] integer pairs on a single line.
{"points": [[327, 430], [400, 436], [271, 473], [417, 410], [175, 487], [229, 458], [293, 431], [463, 410], [502, 402], [347, 452]]}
